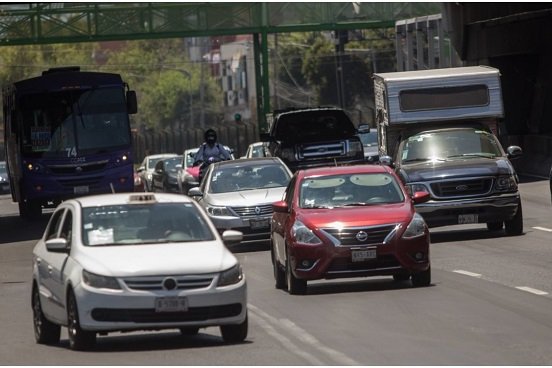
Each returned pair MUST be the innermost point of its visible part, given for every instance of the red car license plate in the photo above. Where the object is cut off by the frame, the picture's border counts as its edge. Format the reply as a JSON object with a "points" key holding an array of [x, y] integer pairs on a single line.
{"points": [[363, 254]]}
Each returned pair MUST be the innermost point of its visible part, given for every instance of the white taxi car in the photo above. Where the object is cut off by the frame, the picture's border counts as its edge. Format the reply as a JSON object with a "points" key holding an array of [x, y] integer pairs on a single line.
{"points": [[124, 262]]}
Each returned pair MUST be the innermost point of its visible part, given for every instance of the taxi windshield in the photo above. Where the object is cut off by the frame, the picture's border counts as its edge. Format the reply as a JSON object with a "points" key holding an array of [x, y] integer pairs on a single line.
{"points": [[143, 223]]}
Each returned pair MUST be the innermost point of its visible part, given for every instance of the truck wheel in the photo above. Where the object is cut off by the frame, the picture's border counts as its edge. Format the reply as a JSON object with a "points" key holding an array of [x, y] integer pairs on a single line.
{"points": [[494, 226], [515, 225]]}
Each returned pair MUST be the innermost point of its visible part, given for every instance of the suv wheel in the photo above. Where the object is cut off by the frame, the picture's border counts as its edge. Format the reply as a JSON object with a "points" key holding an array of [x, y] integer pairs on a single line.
{"points": [[515, 225]]}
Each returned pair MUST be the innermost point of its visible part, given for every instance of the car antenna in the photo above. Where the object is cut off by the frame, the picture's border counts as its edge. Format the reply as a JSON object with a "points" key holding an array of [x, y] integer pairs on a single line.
{"points": [[112, 188]]}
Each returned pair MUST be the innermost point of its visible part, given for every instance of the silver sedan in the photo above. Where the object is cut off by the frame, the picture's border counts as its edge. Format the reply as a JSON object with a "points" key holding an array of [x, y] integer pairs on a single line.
{"points": [[239, 194]]}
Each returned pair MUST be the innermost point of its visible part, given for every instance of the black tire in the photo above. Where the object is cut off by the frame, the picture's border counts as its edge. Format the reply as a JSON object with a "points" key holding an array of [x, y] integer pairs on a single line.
{"points": [[401, 277], [45, 331], [495, 226], [295, 286], [515, 225], [232, 334], [189, 331], [78, 338], [421, 279], [30, 210], [279, 274]]}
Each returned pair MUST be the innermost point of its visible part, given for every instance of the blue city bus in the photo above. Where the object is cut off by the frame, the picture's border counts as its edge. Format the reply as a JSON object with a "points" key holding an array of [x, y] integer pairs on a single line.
{"points": [[67, 134]]}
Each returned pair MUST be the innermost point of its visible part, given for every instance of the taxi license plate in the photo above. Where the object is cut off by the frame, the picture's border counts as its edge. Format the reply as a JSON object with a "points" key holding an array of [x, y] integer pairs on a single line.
{"points": [[258, 224], [83, 189], [363, 255], [468, 219], [171, 304]]}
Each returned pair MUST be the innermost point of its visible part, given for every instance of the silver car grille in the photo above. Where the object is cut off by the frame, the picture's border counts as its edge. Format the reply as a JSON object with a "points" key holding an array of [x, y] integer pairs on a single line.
{"points": [[367, 235], [250, 211], [183, 282]]}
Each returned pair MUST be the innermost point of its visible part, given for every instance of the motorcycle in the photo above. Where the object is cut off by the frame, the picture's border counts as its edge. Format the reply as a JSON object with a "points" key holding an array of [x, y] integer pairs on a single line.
{"points": [[203, 165]]}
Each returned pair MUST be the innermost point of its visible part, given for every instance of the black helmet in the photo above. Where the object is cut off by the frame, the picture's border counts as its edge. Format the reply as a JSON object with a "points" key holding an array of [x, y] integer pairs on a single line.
{"points": [[210, 136]]}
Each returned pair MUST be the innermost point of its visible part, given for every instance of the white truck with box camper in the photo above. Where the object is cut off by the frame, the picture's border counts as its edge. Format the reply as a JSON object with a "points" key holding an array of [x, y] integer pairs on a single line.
{"points": [[438, 129]]}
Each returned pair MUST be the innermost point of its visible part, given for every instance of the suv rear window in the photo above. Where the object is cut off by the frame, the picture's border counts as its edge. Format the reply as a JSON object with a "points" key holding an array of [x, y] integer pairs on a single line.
{"points": [[314, 125]]}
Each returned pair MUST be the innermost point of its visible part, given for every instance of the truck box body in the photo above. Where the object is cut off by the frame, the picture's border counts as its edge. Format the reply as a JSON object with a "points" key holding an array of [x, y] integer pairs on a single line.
{"points": [[437, 128]]}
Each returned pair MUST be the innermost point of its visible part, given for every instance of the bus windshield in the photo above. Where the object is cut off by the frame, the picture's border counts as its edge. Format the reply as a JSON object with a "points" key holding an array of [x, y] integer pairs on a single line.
{"points": [[75, 122]]}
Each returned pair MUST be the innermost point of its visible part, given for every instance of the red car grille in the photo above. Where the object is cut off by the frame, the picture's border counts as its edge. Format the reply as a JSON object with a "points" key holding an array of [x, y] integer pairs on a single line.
{"points": [[373, 234], [346, 265]]}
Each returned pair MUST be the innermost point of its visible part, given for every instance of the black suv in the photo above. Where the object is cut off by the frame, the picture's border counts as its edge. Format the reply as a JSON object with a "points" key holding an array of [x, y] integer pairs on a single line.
{"points": [[311, 137]]}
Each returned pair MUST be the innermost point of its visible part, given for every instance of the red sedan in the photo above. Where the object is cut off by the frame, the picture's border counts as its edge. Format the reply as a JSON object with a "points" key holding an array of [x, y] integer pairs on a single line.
{"points": [[348, 221]]}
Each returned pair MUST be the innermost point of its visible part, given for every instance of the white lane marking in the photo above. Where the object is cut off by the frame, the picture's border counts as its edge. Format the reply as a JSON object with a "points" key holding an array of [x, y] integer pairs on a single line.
{"points": [[531, 290], [467, 273], [339, 357], [542, 228], [305, 337], [288, 344]]}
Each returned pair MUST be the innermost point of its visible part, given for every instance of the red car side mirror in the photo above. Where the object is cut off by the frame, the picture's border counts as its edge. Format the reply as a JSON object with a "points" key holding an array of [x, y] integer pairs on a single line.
{"points": [[280, 206], [421, 197]]}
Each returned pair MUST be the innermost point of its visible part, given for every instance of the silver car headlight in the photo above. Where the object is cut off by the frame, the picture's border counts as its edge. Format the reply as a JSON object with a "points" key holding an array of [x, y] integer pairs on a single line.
{"points": [[230, 276], [415, 228], [100, 282], [218, 211], [303, 234]]}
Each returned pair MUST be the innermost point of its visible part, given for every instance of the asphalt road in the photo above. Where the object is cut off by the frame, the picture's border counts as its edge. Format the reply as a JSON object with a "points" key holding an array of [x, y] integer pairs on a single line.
{"points": [[490, 303]]}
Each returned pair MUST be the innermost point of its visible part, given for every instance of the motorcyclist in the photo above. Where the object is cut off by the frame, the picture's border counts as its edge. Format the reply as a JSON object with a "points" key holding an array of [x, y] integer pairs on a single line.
{"points": [[210, 151]]}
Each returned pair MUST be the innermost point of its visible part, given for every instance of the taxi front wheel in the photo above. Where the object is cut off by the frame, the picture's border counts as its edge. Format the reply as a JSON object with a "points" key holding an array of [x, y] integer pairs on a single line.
{"points": [[78, 338], [234, 333]]}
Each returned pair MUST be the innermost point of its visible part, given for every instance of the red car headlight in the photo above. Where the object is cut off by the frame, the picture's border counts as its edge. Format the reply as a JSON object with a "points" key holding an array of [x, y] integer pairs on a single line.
{"points": [[303, 234]]}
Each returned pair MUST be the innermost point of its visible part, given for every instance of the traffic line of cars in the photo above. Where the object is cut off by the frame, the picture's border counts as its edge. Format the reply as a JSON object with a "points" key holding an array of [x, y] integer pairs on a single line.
{"points": [[152, 261]]}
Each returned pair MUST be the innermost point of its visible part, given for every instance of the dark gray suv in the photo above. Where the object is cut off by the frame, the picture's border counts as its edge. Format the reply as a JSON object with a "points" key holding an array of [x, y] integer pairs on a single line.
{"points": [[313, 137]]}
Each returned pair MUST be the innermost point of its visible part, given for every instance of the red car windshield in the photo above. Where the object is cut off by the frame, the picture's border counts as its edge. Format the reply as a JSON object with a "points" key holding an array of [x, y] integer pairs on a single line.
{"points": [[356, 189]]}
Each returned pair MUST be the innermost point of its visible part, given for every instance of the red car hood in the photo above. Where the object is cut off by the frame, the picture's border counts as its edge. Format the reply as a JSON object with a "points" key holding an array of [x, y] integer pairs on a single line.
{"points": [[194, 171], [356, 216]]}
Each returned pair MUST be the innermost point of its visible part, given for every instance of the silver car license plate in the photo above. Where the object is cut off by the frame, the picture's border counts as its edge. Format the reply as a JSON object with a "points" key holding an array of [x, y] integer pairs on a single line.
{"points": [[171, 304]]}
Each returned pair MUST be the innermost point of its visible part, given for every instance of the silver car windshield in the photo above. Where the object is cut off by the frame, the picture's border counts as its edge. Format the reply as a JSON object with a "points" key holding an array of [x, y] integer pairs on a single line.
{"points": [[136, 224], [237, 178]]}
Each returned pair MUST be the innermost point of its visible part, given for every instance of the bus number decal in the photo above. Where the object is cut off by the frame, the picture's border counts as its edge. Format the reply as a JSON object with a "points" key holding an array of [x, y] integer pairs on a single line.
{"points": [[71, 152]]}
